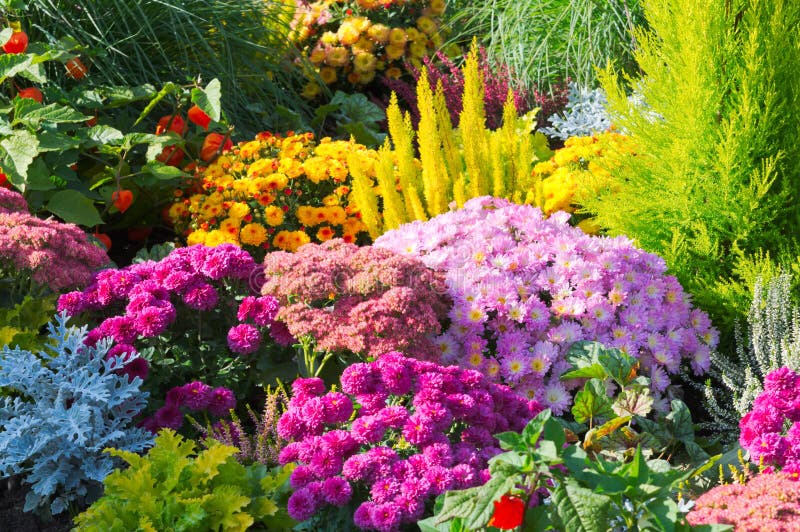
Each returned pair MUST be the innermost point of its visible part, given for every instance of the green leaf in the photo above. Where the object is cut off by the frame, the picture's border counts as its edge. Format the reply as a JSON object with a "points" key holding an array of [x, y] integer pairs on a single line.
{"points": [[322, 112], [34, 72], [533, 430], [56, 141], [208, 99], [634, 401], [104, 135], [21, 148], [33, 115], [12, 64], [133, 139], [162, 171], [475, 505], [73, 207], [363, 134], [39, 177], [664, 513], [592, 402], [681, 419], [430, 525], [554, 432], [169, 88], [580, 508], [510, 441]]}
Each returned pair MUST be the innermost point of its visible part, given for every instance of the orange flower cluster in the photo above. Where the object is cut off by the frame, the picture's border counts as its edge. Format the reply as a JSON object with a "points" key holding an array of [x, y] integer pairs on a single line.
{"points": [[275, 192], [348, 42]]}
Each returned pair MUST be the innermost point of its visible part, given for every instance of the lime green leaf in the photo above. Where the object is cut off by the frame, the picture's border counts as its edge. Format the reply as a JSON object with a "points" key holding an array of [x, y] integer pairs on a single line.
{"points": [[208, 99], [162, 171], [56, 141], [475, 505], [73, 207], [12, 64], [34, 72], [510, 441], [104, 135], [169, 88], [132, 139], [21, 148], [592, 402]]}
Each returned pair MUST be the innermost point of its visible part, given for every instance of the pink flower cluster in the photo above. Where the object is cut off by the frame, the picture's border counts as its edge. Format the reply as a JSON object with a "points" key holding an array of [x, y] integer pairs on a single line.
{"points": [[762, 431], [143, 299], [767, 502], [362, 299], [195, 396], [419, 430], [525, 288], [55, 255]]}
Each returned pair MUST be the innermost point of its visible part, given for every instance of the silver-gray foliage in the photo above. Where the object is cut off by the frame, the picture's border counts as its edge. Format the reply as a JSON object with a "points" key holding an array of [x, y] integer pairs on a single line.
{"points": [[584, 115], [772, 341], [61, 411]]}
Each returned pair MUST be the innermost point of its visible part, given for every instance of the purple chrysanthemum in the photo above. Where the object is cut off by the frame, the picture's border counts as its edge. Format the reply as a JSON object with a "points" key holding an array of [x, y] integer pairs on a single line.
{"points": [[222, 401]]}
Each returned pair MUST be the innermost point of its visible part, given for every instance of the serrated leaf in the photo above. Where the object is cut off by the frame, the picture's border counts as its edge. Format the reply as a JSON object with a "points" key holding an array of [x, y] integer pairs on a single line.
{"points": [[363, 134], [73, 207], [592, 402], [162, 171], [208, 99], [105, 135], [12, 64], [56, 141], [580, 508], [475, 505], [681, 419], [33, 115], [21, 148], [533, 430], [133, 139], [510, 441], [607, 428]]}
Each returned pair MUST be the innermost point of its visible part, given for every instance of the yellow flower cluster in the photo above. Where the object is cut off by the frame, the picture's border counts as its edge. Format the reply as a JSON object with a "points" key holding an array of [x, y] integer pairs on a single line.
{"points": [[275, 192], [583, 165], [346, 42]]}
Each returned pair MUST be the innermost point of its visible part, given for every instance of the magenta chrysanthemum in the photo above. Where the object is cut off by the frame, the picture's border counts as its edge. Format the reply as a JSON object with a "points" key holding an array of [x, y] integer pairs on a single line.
{"points": [[244, 339]]}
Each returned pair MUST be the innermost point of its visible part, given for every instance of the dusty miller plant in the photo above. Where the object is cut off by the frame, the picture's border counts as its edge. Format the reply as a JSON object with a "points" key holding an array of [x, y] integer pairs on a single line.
{"points": [[58, 414], [772, 341]]}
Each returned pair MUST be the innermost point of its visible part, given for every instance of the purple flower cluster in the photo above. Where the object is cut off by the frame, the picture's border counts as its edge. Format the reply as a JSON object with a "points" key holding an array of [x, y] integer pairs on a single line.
{"points": [[525, 288], [419, 430], [361, 299], [763, 432], [55, 255], [195, 396], [149, 295]]}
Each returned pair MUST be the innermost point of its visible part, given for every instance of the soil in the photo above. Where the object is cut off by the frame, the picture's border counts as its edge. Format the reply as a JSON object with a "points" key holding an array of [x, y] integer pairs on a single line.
{"points": [[12, 500]]}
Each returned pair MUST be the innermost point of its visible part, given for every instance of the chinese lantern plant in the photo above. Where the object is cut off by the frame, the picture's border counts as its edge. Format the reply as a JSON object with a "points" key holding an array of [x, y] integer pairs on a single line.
{"points": [[585, 493]]}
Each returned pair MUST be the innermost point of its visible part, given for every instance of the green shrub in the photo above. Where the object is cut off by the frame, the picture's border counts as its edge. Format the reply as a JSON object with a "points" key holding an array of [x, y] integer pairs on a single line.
{"points": [[716, 126], [171, 488]]}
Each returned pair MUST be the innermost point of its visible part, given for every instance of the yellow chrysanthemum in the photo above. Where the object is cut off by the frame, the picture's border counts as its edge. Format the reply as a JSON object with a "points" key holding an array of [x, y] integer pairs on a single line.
{"points": [[215, 238], [249, 150], [253, 234], [334, 215], [238, 210], [273, 215], [325, 233], [196, 237]]}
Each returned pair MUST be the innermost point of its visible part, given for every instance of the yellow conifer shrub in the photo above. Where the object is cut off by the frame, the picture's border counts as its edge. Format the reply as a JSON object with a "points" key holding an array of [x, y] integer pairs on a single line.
{"points": [[454, 164]]}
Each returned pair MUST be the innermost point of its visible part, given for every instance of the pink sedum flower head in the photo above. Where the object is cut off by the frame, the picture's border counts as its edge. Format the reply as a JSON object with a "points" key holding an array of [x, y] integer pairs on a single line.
{"points": [[364, 300], [525, 288], [767, 502], [423, 434], [54, 255]]}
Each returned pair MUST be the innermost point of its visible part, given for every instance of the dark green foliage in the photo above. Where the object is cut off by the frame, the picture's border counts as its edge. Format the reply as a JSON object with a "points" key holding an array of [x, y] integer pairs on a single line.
{"points": [[713, 186], [241, 42]]}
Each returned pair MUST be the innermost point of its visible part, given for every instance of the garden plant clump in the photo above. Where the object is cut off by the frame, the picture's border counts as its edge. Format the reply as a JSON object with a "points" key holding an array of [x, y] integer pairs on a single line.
{"points": [[525, 288], [312, 265]]}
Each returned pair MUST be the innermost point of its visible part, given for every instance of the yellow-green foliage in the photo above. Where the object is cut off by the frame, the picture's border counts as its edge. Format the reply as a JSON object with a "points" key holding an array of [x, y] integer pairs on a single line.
{"points": [[21, 325], [171, 488], [454, 165], [715, 181]]}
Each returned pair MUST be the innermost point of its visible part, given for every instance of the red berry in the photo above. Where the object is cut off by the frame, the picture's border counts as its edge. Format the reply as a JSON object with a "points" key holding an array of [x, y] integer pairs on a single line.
{"points": [[211, 146], [509, 512], [171, 156], [17, 43], [122, 199], [31, 92], [102, 237], [199, 117], [176, 124]]}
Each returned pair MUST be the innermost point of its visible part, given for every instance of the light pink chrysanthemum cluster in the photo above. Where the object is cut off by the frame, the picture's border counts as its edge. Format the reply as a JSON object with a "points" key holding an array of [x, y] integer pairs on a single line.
{"points": [[525, 288], [362, 299]]}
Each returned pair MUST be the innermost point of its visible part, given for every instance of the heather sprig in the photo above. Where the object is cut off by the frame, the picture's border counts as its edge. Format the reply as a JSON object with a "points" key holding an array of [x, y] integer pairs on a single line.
{"points": [[364, 300], [52, 255], [196, 317], [400, 432], [525, 288]]}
